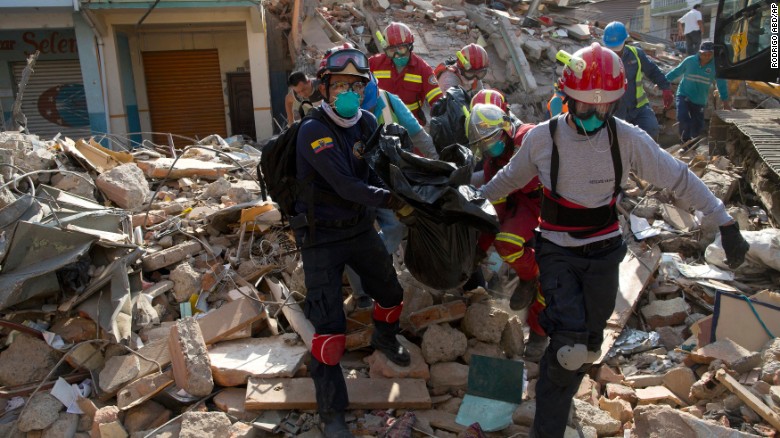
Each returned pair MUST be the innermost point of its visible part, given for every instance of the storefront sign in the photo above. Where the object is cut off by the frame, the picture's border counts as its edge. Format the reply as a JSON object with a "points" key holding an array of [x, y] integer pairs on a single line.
{"points": [[51, 43]]}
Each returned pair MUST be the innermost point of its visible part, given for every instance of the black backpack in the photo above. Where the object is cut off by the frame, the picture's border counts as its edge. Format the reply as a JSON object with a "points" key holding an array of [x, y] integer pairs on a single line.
{"points": [[448, 119], [277, 168]]}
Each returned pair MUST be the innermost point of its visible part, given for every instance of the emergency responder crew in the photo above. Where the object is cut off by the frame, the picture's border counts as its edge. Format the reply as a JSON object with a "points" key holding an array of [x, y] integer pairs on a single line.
{"points": [[582, 158], [556, 105], [334, 227], [468, 70], [400, 71], [303, 96], [495, 134], [388, 108], [698, 72], [634, 107]]}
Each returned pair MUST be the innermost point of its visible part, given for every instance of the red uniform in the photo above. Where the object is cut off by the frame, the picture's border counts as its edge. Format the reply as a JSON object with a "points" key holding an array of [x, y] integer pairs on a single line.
{"points": [[414, 84], [518, 215]]}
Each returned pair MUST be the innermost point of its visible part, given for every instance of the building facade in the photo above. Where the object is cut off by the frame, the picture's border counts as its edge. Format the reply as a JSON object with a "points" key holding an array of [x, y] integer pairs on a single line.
{"points": [[135, 70]]}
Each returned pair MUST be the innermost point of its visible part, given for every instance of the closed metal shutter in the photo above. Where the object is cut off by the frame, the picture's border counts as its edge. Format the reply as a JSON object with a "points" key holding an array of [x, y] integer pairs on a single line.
{"points": [[184, 88], [54, 99]]}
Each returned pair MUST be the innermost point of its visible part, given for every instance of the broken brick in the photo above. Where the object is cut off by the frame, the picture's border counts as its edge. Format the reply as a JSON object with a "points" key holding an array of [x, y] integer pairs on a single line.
{"points": [[189, 358]]}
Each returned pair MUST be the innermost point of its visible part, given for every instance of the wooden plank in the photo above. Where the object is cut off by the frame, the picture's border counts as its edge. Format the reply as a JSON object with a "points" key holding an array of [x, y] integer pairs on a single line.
{"points": [[291, 310], [143, 389], [751, 400], [363, 394], [635, 274]]}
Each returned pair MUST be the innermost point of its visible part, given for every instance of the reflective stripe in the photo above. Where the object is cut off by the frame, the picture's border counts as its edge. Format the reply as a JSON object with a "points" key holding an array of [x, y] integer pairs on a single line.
{"points": [[510, 238], [641, 97], [413, 106], [540, 298], [499, 201], [382, 74], [413, 78], [432, 94], [511, 258]]}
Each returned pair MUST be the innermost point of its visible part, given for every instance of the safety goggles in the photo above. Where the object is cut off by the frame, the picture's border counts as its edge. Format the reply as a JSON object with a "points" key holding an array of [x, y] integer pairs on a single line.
{"points": [[398, 50], [584, 111], [485, 143], [339, 60], [341, 86], [472, 74]]}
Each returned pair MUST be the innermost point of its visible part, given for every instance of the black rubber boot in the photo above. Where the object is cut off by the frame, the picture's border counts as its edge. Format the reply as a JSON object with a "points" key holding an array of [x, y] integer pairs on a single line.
{"points": [[335, 426], [524, 294], [535, 347], [364, 302], [384, 340]]}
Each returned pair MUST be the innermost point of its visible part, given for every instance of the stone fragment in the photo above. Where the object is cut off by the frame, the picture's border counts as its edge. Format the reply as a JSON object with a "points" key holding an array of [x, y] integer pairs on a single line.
{"points": [[606, 375], [659, 421], [732, 354], [74, 329], [482, 349], [26, 360], [661, 313], [443, 343], [113, 429], [589, 415], [41, 412], [125, 186], [241, 430], [105, 415], [615, 390], [146, 416], [679, 380], [74, 184], [189, 358], [656, 394], [217, 189], [231, 402], [447, 376], [186, 282], [670, 338], [170, 256], [617, 408], [485, 322], [512, 338], [382, 367], [233, 362], [524, 414], [204, 425], [118, 371]]}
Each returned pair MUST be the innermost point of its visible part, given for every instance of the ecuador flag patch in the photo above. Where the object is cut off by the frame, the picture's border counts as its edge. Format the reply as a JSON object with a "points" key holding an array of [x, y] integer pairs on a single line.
{"points": [[321, 144]]}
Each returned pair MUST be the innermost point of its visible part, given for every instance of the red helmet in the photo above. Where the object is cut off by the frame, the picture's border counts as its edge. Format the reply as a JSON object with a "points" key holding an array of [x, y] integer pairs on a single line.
{"points": [[601, 78], [345, 60], [472, 57], [398, 33], [488, 96]]}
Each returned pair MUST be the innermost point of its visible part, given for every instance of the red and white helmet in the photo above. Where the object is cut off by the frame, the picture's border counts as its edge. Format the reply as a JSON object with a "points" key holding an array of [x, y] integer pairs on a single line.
{"points": [[472, 57], [489, 96], [398, 33], [601, 80], [345, 60]]}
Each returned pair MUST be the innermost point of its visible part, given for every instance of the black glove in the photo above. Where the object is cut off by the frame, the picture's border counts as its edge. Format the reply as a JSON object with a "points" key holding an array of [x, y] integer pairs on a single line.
{"points": [[734, 244]]}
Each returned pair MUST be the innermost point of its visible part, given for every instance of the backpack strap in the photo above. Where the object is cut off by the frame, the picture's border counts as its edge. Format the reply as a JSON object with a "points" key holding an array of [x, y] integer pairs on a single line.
{"points": [[554, 160]]}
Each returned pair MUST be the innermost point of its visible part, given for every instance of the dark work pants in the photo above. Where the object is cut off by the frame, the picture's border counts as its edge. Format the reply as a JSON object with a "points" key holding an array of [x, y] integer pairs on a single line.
{"points": [[692, 42], [323, 267], [691, 118], [580, 291]]}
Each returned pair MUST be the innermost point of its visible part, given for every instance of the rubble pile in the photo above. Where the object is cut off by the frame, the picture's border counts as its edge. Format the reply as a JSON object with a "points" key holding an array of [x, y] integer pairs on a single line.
{"points": [[153, 295]]}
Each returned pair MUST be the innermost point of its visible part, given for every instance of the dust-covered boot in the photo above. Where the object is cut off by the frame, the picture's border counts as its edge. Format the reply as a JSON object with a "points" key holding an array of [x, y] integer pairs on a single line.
{"points": [[534, 348], [524, 294], [384, 339], [335, 426]]}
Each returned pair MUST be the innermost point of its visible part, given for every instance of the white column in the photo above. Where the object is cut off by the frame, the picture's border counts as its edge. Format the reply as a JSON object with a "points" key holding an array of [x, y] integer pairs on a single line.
{"points": [[258, 67], [116, 106]]}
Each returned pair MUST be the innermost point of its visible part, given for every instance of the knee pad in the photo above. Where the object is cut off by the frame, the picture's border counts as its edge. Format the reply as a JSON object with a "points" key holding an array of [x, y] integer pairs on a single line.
{"points": [[387, 314], [328, 349], [567, 354]]}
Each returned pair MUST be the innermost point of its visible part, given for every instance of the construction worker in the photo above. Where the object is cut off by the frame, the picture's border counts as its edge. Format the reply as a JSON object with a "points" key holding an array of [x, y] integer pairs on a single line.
{"points": [[582, 157], [698, 73], [334, 227], [495, 134], [388, 108], [400, 71], [303, 96], [556, 105], [467, 69], [634, 106], [691, 26]]}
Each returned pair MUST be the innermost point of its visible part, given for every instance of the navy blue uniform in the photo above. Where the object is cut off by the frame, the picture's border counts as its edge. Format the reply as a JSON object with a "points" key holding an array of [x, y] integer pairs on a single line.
{"points": [[343, 235]]}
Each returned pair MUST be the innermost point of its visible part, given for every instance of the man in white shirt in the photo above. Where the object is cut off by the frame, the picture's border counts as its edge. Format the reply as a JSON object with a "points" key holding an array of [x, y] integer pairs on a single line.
{"points": [[691, 26]]}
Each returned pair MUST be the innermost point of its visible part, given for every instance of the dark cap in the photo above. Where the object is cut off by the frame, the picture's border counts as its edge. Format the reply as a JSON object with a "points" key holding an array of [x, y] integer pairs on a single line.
{"points": [[707, 46]]}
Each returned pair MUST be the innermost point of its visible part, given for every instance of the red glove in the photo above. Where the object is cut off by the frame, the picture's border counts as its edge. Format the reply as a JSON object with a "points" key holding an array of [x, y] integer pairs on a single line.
{"points": [[668, 99]]}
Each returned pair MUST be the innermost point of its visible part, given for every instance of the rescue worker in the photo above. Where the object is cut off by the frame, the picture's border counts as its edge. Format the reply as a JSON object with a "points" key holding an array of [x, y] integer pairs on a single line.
{"points": [[582, 158], [334, 227], [468, 69], [698, 72], [388, 108], [556, 105], [495, 135], [303, 96], [400, 71], [634, 106]]}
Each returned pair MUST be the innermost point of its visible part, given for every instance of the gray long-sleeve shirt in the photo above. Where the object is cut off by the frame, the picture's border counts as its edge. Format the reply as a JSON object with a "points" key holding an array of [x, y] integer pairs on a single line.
{"points": [[586, 175]]}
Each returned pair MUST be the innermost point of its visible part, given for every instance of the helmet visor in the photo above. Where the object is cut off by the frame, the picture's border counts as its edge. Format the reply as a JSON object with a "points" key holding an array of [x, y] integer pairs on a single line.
{"points": [[472, 74], [339, 60], [399, 50], [602, 111]]}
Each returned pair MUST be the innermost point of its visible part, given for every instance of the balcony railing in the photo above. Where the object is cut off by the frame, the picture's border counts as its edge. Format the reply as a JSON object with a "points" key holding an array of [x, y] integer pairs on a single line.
{"points": [[658, 6], [165, 3]]}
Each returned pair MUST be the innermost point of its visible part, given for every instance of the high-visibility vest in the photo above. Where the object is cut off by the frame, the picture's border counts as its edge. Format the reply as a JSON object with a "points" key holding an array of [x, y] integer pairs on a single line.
{"points": [[641, 97]]}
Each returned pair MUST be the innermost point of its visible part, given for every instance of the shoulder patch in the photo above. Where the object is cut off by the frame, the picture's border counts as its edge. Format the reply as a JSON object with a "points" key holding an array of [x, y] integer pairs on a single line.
{"points": [[321, 144], [432, 80]]}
